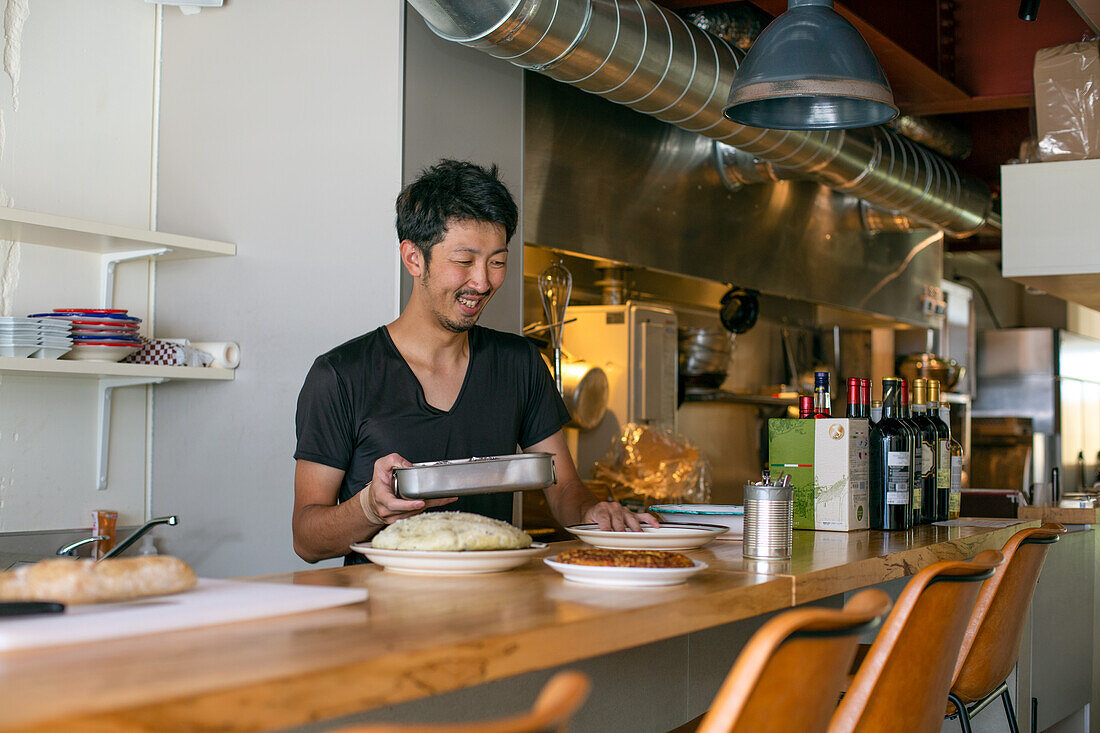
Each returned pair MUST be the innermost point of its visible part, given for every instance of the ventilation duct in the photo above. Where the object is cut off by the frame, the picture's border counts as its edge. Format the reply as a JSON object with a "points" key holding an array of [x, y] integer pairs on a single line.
{"points": [[638, 54]]}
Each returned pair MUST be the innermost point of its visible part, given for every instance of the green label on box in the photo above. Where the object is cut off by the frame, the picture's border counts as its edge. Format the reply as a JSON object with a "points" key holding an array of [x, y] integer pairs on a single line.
{"points": [[791, 451]]}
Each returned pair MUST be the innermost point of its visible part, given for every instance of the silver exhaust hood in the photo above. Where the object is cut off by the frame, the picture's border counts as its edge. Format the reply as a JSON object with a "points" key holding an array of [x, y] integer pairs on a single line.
{"points": [[649, 59]]}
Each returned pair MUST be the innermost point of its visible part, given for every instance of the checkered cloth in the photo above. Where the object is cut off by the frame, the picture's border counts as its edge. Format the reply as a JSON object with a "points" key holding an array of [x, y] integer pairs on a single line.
{"points": [[167, 352]]}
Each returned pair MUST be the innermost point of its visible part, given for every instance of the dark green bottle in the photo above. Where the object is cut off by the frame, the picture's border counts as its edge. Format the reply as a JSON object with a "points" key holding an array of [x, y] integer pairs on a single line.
{"points": [[891, 464]]}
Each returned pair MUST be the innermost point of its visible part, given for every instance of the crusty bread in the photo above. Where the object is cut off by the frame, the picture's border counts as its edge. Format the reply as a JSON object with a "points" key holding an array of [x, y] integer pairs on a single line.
{"points": [[72, 581], [450, 531]]}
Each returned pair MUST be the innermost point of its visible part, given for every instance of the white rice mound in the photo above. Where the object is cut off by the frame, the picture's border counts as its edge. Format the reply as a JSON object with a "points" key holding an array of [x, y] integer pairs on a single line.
{"points": [[450, 532]]}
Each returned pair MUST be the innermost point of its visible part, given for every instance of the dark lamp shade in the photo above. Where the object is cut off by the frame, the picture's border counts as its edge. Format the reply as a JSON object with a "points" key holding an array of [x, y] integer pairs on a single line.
{"points": [[810, 70]]}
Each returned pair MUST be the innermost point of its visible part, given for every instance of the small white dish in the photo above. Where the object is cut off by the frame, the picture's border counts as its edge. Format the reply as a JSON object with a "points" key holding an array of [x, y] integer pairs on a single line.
{"points": [[470, 562], [727, 515], [17, 351], [98, 352], [48, 352], [680, 536], [625, 577]]}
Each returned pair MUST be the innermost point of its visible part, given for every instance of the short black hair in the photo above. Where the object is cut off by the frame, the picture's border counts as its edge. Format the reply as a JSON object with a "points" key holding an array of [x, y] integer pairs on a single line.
{"points": [[453, 189]]}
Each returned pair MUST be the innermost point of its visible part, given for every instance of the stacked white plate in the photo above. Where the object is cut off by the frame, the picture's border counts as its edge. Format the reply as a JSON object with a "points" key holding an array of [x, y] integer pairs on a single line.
{"points": [[99, 334], [40, 338]]}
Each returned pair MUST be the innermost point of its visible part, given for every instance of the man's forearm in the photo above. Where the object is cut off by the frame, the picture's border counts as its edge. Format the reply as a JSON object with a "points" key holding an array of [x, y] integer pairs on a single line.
{"points": [[569, 502], [321, 532]]}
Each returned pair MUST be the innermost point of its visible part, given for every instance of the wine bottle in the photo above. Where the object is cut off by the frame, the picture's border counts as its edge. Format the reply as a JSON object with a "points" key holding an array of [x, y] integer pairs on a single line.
{"points": [[929, 453], [876, 411], [855, 401], [822, 398], [805, 407], [891, 464], [916, 492], [865, 397], [944, 466]]}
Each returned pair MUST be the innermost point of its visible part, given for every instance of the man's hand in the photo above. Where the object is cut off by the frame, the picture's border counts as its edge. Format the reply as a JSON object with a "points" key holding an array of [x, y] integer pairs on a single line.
{"points": [[613, 515], [381, 503]]}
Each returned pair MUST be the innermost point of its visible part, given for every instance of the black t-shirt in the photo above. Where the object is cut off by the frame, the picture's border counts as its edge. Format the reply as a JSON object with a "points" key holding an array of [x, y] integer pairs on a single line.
{"points": [[361, 401]]}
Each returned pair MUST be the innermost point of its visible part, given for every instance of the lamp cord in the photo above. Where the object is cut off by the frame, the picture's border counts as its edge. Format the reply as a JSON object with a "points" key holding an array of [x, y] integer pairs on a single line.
{"points": [[985, 300]]}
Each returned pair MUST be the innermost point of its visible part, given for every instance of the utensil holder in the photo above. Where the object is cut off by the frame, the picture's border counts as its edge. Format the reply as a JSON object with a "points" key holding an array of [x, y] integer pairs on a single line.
{"points": [[769, 514]]}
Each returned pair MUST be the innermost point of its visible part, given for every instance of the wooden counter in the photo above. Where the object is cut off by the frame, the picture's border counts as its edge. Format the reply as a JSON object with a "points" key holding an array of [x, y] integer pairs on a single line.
{"points": [[1055, 513], [420, 636]]}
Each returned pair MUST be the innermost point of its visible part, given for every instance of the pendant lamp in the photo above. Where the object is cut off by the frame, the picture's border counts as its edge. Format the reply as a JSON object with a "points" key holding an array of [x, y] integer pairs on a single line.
{"points": [[810, 69]]}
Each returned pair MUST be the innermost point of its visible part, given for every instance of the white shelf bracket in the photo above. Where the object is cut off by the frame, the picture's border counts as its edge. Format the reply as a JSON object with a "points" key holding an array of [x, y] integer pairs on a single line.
{"points": [[107, 272], [107, 386]]}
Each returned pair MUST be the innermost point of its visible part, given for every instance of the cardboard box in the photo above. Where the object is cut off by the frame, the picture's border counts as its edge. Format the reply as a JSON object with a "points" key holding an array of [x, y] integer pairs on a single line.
{"points": [[828, 461]]}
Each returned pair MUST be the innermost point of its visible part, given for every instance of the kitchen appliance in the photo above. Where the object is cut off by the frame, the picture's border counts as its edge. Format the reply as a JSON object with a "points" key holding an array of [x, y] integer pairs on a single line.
{"points": [[636, 346], [1049, 376]]}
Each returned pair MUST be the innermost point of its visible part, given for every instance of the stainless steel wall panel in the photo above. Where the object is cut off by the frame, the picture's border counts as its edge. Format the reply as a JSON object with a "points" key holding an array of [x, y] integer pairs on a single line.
{"points": [[604, 181]]}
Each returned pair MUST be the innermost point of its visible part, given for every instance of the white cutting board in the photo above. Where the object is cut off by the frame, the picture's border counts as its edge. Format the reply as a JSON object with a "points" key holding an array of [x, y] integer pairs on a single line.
{"points": [[209, 602]]}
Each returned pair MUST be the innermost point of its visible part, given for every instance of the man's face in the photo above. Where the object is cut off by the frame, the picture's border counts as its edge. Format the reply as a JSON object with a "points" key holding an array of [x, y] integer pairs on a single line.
{"points": [[464, 271]]}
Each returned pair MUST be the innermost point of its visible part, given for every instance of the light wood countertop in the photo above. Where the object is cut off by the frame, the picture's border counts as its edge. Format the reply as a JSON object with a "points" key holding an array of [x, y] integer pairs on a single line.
{"points": [[417, 636], [1055, 513]]}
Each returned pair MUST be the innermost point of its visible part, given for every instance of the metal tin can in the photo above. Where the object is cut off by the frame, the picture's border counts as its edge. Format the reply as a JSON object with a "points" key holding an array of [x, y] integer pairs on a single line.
{"points": [[769, 514]]}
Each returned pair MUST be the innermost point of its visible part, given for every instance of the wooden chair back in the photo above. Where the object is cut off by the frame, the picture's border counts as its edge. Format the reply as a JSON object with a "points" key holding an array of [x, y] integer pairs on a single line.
{"points": [[558, 701], [790, 674], [904, 679], [991, 643]]}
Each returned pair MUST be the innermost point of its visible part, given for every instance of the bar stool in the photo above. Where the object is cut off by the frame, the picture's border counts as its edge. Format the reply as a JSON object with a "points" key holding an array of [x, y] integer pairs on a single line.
{"points": [[790, 673], [991, 644], [559, 699], [903, 681]]}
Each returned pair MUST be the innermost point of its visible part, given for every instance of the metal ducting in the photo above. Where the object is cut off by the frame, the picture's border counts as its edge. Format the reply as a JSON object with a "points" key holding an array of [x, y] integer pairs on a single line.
{"points": [[647, 58]]}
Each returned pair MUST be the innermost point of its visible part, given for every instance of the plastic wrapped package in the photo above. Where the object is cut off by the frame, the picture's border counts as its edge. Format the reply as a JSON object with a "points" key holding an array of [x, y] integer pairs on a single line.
{"points": [[654, 466], [1067, 101]]}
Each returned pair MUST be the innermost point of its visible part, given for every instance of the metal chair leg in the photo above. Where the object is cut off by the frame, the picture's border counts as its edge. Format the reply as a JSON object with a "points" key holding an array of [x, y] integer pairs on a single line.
{"points": [[1006, 698], [964, 717]]}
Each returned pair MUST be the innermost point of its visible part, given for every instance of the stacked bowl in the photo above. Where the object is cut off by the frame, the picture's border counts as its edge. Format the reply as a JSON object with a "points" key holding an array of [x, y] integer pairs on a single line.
{"points": [[40, 338], [99, 334]]}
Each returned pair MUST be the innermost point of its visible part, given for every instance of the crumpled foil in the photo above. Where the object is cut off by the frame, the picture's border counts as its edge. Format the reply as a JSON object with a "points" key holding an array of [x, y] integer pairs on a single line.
{"points": [[658, 465], [1067, 101]]}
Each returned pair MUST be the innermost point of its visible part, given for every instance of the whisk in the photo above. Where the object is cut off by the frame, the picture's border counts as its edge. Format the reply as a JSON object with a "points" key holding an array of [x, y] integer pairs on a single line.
{"points": [[555, 287]]}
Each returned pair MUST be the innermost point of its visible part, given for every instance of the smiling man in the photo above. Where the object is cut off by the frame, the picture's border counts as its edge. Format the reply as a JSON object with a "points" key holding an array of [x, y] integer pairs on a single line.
{"points": [[432, 385]]}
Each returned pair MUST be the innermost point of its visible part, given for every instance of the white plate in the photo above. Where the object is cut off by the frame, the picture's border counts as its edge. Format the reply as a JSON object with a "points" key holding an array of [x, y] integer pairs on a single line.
{"points": [[680, 536], [727, 515], [99, 353], [425, 562], [633, 577]]}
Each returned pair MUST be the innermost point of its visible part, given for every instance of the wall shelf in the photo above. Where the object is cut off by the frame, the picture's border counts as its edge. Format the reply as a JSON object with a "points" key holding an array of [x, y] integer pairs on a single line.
{"points": [[50, 230], [22, 367]]}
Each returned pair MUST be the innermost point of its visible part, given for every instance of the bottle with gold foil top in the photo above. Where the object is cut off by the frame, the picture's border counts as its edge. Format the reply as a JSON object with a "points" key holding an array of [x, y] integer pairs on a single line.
{"points": [[929, 437], [944, 465], [917, 512], [954, 496]]}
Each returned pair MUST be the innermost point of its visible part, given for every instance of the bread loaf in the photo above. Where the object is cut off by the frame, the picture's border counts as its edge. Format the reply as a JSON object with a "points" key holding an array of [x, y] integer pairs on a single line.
{"points": [[450, 532], [73, 581]]}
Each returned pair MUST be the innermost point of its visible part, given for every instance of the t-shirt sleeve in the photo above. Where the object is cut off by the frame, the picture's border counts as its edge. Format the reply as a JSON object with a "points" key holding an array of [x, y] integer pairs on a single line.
{"points": [[545, 412], [323, 419]]}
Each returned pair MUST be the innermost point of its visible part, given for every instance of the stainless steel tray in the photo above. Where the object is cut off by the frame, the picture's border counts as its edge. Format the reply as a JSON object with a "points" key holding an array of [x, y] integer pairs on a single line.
{"points": [[517, 472]]}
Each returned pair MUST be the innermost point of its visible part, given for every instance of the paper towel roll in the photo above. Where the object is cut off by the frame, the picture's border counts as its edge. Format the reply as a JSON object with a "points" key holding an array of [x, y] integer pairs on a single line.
{"points": [[227, 354]]}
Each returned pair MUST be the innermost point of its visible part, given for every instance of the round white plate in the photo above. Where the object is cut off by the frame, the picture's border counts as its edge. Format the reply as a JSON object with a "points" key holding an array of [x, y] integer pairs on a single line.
{"points": [[633, 577], [95, 352], [678, 536], [727, 515], [424, 562]]}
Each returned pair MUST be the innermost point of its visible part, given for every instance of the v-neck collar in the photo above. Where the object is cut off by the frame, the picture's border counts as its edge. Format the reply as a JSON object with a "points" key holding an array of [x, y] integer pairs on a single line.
{"points": [[421, 397]]}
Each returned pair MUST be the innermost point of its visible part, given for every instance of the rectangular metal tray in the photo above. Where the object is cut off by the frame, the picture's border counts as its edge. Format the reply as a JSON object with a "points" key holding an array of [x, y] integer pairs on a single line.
{"points": [[466, 476]]}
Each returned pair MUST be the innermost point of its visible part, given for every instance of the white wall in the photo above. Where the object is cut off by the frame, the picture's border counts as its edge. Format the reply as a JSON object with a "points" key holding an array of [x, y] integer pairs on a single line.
{"points": [[280, 131], [79, 145]]}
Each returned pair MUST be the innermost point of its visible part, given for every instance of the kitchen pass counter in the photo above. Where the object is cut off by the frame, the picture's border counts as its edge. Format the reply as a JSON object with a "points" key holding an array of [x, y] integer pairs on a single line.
{"points": [[418, 636]]}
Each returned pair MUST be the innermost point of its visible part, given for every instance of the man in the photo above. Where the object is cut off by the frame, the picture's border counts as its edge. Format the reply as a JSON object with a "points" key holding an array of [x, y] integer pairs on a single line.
{"points": [[432, 385]]}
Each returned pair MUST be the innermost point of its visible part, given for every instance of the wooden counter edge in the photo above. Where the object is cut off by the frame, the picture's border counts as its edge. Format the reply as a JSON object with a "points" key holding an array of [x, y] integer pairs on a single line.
{"points": [[1062, 515]]}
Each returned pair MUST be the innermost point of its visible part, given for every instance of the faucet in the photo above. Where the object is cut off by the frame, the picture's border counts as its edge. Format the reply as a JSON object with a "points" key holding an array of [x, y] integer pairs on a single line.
{"points": [[70, 549], [122, 546]]}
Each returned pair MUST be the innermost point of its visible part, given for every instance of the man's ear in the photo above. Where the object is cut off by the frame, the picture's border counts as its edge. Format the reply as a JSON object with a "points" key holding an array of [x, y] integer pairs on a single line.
{"points": [[412, 258]]}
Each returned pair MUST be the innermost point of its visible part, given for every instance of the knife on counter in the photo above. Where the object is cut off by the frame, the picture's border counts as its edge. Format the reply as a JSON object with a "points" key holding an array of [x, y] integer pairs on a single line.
{"points": [[27, 608]]}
